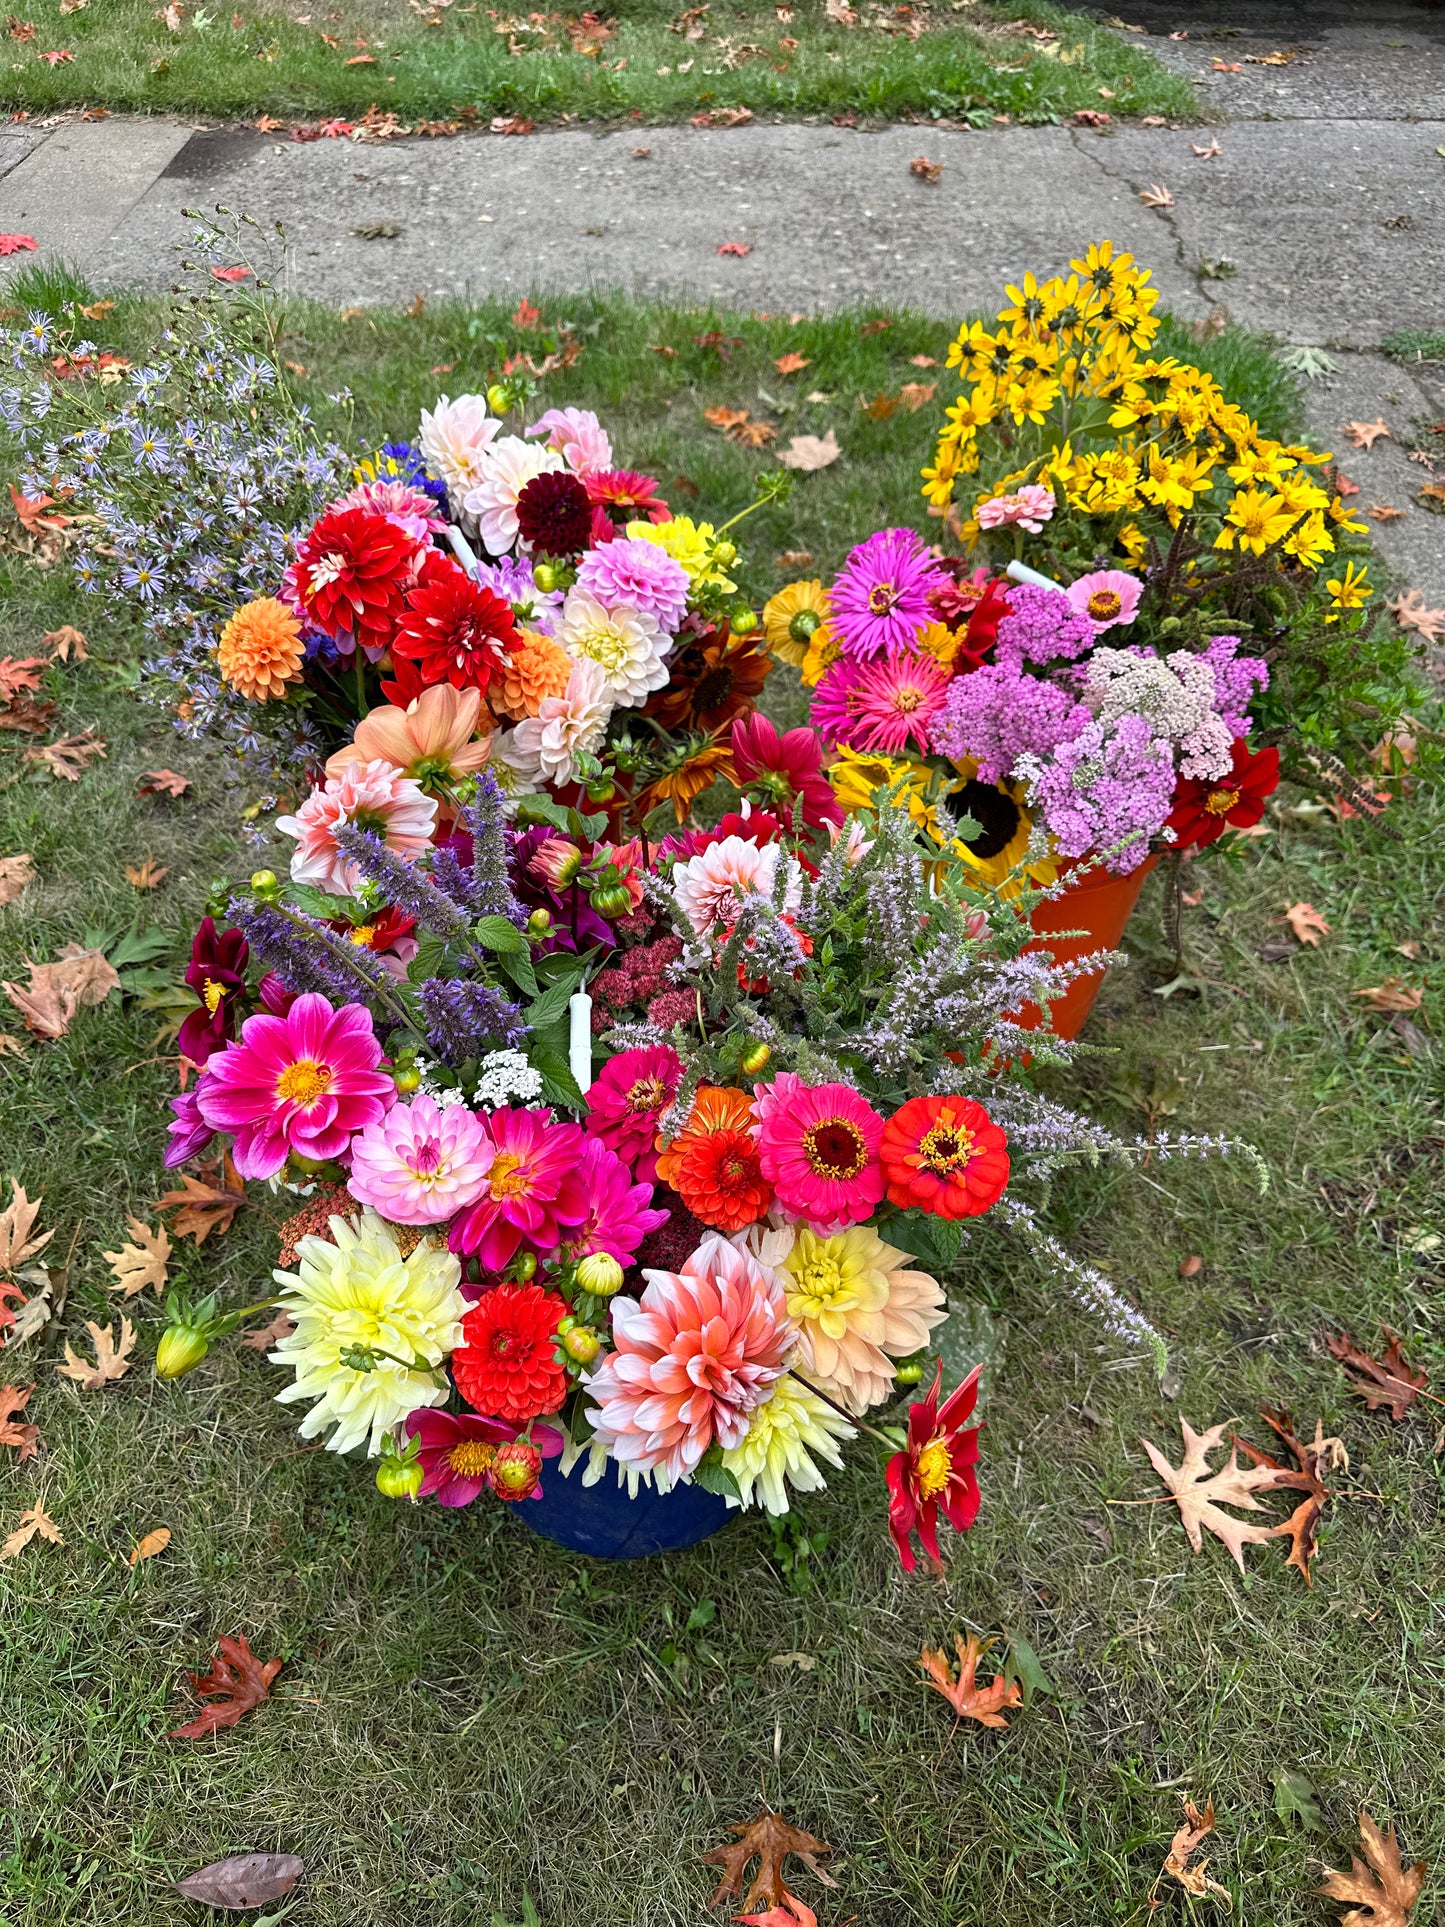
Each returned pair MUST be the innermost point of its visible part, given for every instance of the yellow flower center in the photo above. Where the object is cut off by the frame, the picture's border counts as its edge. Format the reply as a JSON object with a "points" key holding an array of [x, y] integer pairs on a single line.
{"points": [[946, 1148], [1221, 802], [506, 1180], [835, 1149], [647, 1094], [882, 598], [303, 1082], [363, 935], [906, 699], [471, 1457], [212, 995], [934, 1467], [822, 1283], [1104, 605]]}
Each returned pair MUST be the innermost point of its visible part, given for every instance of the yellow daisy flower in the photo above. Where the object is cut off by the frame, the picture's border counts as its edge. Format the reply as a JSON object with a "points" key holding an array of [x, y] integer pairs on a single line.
{"points": [[793, 619]]}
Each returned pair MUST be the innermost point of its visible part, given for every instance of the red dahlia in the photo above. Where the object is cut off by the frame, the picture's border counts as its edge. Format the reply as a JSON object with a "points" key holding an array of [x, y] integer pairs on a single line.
{"points": [[1201, 810], [506, 1365], [945, 1155], [554, 514], [627, 496], [455, 630], [352, 573]]}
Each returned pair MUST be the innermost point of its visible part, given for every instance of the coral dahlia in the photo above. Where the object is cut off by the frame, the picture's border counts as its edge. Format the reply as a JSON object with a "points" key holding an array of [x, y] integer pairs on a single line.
{"points": [[260, 650], [944, 1155], [818, 1147], [713, 1162], [455, 630], [879, 706], [539, 668], [430, 738], [373, 797], [352, 573], [506, 1365]]}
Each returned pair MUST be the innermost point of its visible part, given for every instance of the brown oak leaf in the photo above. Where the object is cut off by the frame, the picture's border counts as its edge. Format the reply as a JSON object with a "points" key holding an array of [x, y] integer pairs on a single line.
{"points": [[1366, 434], [25, 1438], [270, 1336], [208, 1202], [1383, 1897], [36, 1520], [771, 1838], [236, 1682], [1410, 612], [1391, 1384], [136, 1266], [1196, 1828], [162, 782], [1303, 1476], [146, 875], [1393, 994], [1201, 1493], [70, 757], [112, 1361], [15, 873], [969, 1700], [1306, 922], [28, 718], [48, 1003]]}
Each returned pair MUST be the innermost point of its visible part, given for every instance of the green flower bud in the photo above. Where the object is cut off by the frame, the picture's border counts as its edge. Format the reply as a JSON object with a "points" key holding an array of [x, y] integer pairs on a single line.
{"points": [[181, 1349], [724, 554], [756, 1059], [744, 622], [602, 791], [909, 1371], [399, 1478], [564, 1325], [581, 1344], [611, 902], [499, 398], [805, 625], [600, 1274], [523, 1267], [539, 923], [544, 574], [263, 882], [407, 1079]]}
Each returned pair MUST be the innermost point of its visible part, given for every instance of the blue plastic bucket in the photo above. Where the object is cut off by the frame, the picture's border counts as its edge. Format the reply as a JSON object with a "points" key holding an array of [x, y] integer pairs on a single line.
{"points": [[603, 1521]]}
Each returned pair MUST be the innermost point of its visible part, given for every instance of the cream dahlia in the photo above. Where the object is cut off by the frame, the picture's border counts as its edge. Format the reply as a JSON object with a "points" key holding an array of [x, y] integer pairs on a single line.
{"points": [[374, 797], [507, 465], [783, 1434], [545, 746], [857, 1307], [454, 437], [629, 646]]}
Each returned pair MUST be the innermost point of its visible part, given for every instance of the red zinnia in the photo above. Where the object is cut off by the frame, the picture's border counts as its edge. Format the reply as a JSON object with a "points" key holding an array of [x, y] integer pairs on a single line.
{"points": [[554, 514], [944, 1155], [454, 629], [713, 1163], [1201, 810], [352, 573], [935, 1469], [506, 1366]]}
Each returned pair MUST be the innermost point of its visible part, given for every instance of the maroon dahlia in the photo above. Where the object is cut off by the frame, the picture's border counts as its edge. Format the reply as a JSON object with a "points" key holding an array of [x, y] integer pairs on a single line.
{"points": [[554, 514]]}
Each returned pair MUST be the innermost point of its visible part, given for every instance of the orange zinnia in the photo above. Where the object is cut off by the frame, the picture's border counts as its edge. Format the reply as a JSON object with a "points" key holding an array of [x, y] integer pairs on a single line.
{"points": [[713, 1163], [538, 669], [260, 650]]}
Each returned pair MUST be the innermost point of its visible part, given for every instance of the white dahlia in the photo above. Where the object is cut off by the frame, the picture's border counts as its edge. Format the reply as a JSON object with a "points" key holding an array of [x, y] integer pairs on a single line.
{"points": [[628, 646], [454, 436]]}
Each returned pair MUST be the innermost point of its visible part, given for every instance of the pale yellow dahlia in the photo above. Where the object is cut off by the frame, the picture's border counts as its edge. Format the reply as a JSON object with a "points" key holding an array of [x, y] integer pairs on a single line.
{"points": [[782, 1436], [857, 1309], [355, 1292]]}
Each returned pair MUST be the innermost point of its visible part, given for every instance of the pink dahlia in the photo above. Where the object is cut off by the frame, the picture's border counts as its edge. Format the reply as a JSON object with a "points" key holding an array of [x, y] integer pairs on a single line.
{"points": [[420, 1163], [532, 1192], [636, 574], [578, 437], [699, 1351], [878, 706], [411, 509], [628, 1096], [459, 1449], [1106, 597], [306, 1082], [709, 887], [1029, 508], [818, 1145], [619, 1211], [373, 796], [784, 769], [880, 598]]}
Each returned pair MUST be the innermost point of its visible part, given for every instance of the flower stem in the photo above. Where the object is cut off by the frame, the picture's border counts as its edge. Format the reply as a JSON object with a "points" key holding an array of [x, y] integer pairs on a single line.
{"points": [[862, 1424]]}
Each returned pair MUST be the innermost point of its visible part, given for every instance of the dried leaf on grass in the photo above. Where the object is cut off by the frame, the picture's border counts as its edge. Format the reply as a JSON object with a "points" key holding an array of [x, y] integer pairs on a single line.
{"points": [[771, 1839], [148, 874], [70, 757], [16, 874], [269, 1336], [1393, 994], [243, 1880], [208, 1202], [162, 782], [1390, 1384], [25, 1439], [18, 1243], [16, 676], [969, 1700], [790, 363], [237, 1682], [1200, 1492], [1186, 1843], [1384, 1892], [809, 453], [1303, 1476], [150, 1545], [112, 1361], [141, 1264], [65, 643], [48, 1003], [792, 1913], [34, 1521], [1306, 923]]}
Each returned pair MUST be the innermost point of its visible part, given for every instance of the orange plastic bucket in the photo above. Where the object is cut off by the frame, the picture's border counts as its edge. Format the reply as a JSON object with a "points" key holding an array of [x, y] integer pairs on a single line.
{"points": [[1100, 904]]}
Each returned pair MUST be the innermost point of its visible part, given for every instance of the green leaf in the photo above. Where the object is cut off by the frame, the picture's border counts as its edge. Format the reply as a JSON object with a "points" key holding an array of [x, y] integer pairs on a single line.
{"points": [[520, 971], [1295, 1793], [139, 947], [1021, 1662], [551, 1005], [544, 809], [559, 1086], [969, 1336], [429, 960], [716, 1478], [704, 1612], [530, 1916], [497, 933]]}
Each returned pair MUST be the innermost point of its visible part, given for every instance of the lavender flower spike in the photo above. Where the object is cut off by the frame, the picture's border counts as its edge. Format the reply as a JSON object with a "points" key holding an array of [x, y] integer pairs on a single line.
{"points": [[466, 1020], [401, 882]]}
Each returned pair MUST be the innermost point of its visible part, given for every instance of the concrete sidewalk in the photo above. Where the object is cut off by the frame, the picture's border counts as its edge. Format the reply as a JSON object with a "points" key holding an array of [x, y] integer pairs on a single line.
{"points": [[1325, 208]]}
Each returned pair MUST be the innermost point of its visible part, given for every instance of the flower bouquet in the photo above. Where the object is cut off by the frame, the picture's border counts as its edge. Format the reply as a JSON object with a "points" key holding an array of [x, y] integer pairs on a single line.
{"points": [[669, 1195]]}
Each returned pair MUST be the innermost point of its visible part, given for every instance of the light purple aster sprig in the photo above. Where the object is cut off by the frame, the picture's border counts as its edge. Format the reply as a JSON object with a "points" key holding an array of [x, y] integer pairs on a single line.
{"points": [[879, 599]]}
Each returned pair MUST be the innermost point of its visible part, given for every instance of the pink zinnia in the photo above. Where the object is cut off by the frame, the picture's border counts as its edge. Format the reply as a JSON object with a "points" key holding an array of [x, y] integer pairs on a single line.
{"points": [[619, 1213], [306, 1082], [634, 573], [628, 1096], [784, 768], [420, 1163], [699, 1352], [1106, 597], [1029, 509], [372, 795], [878, 706], [818, 1146], [880, 598], [532, 1191], [578, 437]]}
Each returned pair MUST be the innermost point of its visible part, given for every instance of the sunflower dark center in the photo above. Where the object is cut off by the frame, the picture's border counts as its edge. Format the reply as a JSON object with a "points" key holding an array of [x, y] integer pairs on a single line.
{"points": [[996, 812]]}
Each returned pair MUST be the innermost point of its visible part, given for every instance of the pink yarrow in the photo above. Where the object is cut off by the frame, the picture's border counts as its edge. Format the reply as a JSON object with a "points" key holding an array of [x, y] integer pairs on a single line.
{"points": [[818, 1146], [420, 1164]]}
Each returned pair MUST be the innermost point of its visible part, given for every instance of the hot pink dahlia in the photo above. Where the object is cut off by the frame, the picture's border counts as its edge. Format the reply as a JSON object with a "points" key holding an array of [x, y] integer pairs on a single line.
{"points": [[458, 1450], [818, 1145], [532, 1192], [420, 1163], [628, 1096], [306, 1082], [878, 706], [787, 768], [374, 796], [699, 1352], [619, 1213]]}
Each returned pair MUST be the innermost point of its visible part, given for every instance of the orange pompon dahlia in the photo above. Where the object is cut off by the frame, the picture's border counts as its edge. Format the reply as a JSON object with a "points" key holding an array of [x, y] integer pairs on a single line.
{"points": [[537, 670], [260, 651], [713, 1163], [944, 1155]]}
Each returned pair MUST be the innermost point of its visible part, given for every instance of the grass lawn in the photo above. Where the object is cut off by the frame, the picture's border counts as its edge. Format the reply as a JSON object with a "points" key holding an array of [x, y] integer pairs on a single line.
{"points": [[467, 1715], [438, 61]]}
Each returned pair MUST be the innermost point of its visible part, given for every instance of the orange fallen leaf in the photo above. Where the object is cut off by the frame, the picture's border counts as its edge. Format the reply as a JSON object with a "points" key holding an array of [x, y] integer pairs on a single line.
{"points": [[1391, 1383], [269, 1336], [790, 363], [32, 510], [32, 1522], [1393, 994], [48, 1003], [1385, 512], [969, 1700], [141, 1264], [205, 1205], [917, 394], [16, 872], [25, 1439], [1384, 1891], [150, 1545], [1190, 1267], [922, 361], [236, 1683], [1185, 1844], [65, 643], [771, 1839], [162, 782], [1306, 923], [725, 419], [1209, 153], [929, 172], [148, 875], [1366, 434]]}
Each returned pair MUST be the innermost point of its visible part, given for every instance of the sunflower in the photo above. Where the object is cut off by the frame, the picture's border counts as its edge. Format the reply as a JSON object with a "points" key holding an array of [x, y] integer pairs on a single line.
{"points": [[713, 680], [1003, 840]]}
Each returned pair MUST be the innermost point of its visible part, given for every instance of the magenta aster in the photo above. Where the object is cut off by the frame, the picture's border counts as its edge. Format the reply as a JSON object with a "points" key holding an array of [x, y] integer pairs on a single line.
{"points": [[458, 1450], [619, 1214], [818, 1146], [306, 1082], [879, 706], [632, 573], [420, 1163], [532, 1193], [628, 1096], [880, 598]]}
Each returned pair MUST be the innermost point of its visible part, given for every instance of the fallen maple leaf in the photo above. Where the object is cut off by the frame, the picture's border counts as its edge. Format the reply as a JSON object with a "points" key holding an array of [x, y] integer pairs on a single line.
{"points": [[244, 1880], [32, 509], [1200, 1492], [48, 1003], [1209, 153], [513, 124], [205, 1205], [1410, 612], [526, 316], [66, 642], [230, 274], [35, 1520], [268, 124], [1185, 1844], [754, 434], [1306, 923], [725, 419], [57, 58], [1366, 434], [772, 1839], [1385, 1896], [236, 1682], [18, 1244], [24, 1438], [922, 361], [790, 363], [71, 756], [1384, 512], [162, 782], [1393, 994], [150, 1545], [807, 453], [112, 1361], [917, 394], [738, 248], [1156, 196], [136, 1266], [929, 172], [1391, 1384], [881, 407], [1226, 66], [269, 1336], [16, 874], [969, 1700], [148, 875]]}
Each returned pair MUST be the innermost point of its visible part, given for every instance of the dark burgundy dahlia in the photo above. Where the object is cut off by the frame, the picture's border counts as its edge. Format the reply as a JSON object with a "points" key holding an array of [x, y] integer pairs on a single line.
{"points": [[554, 513]]}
